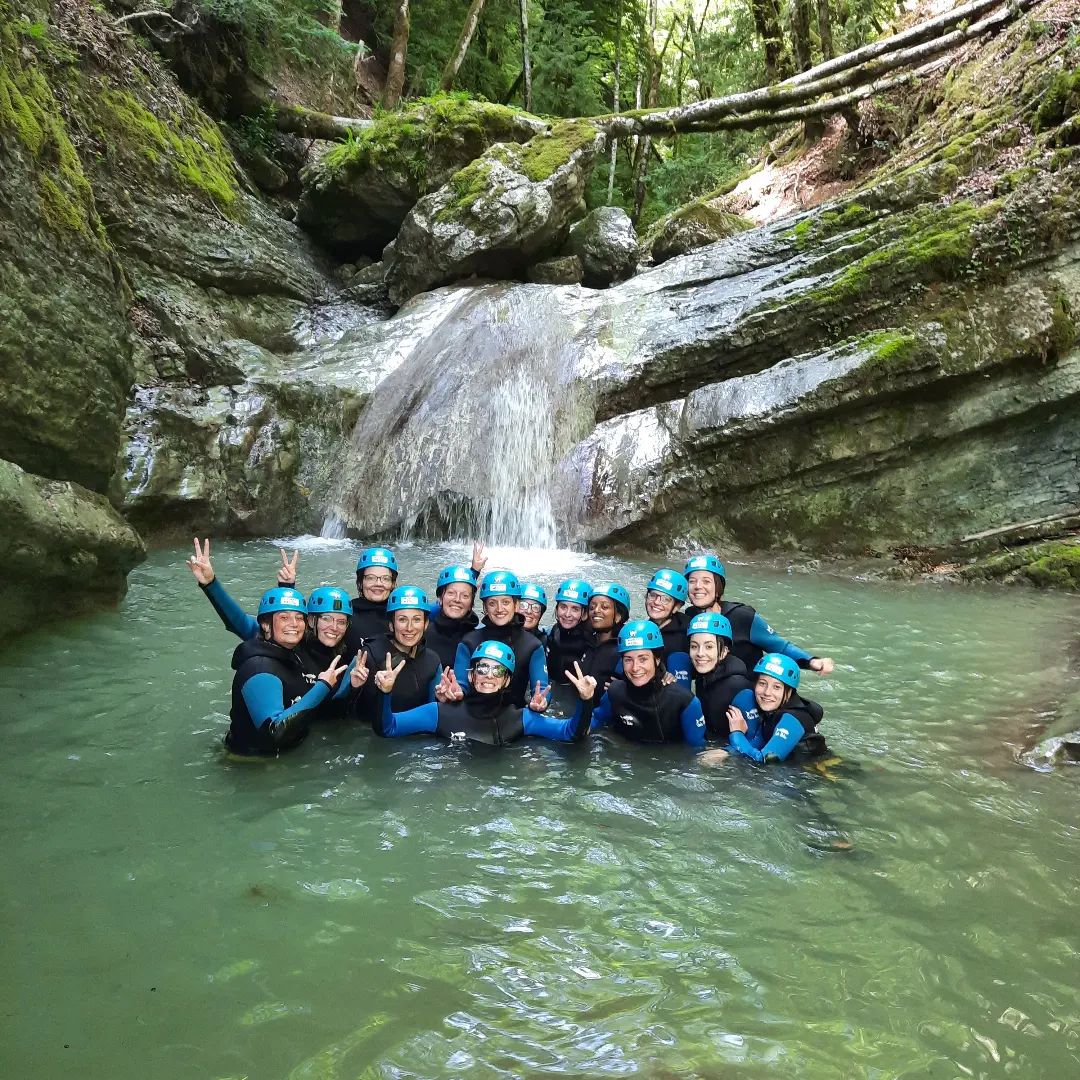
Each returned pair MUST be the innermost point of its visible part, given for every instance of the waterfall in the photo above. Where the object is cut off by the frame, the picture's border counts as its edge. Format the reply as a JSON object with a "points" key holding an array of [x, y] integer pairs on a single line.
{"points": [[461, 440]]}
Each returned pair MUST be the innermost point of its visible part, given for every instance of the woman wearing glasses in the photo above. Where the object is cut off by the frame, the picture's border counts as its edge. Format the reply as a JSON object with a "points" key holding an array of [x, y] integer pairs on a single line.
{"points": [[486, 715]]}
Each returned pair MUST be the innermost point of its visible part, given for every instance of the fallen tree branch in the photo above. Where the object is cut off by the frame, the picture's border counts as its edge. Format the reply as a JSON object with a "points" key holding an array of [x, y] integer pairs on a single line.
{"points": [[310, 124], [154, 13], [714, 114]]}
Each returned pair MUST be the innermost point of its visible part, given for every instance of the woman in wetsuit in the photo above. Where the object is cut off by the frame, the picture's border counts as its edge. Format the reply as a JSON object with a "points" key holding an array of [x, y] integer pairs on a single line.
{"points": [[272, 701], [719, 675], [771, 722], [640, 705], [664, 596], [486, 715]]}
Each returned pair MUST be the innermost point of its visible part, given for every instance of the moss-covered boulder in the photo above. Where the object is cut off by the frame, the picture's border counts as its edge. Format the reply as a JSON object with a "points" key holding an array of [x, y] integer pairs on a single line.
{"points": [[67, 549], [701, 222], [65, 357], [355, 199], [562, 270], [510, 208], [607, 245]]}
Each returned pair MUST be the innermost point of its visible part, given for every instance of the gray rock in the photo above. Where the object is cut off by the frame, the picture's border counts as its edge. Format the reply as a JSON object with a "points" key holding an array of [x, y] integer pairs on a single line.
{"points": [[508, 209], [607, 245], [690, 227], [562, 270], [372, 274]]}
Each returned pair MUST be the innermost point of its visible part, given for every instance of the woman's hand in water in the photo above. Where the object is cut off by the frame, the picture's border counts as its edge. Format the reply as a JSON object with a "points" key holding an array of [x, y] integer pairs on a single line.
{"points": [[334, 672], [287, 574], [585, 685], [200, 563], [449, 689], [479, 557], [386, 678], [359, 674], [736, 720], [713, 757], [540, 698], [823, 665]]}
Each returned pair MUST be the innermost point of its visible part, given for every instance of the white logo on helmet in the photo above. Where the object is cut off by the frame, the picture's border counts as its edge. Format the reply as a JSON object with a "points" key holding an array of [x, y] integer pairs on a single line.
{"points": [[289, 601], [698, 563], [497, 586], [409, 600], [635, 643]]}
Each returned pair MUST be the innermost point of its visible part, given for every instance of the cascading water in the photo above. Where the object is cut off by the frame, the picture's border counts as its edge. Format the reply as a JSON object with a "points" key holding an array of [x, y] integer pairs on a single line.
{"points": [[462, 439]]}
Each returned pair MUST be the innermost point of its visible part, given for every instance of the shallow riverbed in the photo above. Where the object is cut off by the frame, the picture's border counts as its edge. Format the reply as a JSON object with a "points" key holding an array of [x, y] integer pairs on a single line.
{"points": [[367, 907]]}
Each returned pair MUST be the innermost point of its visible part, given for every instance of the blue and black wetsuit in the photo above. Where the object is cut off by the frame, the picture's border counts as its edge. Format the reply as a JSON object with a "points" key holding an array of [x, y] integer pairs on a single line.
{"points": [[677, 647], [415, 684], [602, 660], [776, 735], [653, 713], [717, 689], [482, 718], [368, 621], [314, 657], [530, 663], [753, 637], [564, 648], [272, 700], [444, 634]]}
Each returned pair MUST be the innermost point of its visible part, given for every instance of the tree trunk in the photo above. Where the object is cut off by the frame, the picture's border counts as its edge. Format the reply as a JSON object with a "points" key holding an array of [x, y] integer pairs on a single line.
{"points": [[526, 63], [824, 26], [310, 124], [800, 35], [395, 73], [453, 65], [653, 63], [615, 99], [767, 23]]}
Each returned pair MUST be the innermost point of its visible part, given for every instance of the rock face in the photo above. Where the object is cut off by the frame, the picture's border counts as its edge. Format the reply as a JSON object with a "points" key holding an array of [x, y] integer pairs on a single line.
{"points": [[511, 207], [702, 222], [562, 270], [355, 199], [607, 245]]}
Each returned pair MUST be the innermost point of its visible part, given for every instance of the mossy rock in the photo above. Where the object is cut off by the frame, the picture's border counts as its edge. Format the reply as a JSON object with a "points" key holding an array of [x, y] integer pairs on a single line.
{"points": [[692, 226], [356, 198]]}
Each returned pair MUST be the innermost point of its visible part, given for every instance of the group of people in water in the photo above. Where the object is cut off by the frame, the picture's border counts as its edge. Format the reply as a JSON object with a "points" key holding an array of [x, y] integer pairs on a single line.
{"points": [[700, 669]]}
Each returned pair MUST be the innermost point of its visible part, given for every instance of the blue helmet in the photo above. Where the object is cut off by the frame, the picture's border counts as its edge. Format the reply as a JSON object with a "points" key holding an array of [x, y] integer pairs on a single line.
{"points": [[449, 574], [377, 556], [281, 599], [329, 601], [529, 591], [705, 562], [613, 591], [780, 667], [640, 634], [669, 582], [574, 591], [711, 622], [496, 651], [407, 598], [499, 583]]}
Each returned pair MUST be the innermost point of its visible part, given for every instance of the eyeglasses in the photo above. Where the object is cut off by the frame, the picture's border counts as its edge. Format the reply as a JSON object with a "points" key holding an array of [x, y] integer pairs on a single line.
{"points": [[531, 606], [654, 595], [489, 667], [378, 579], [337, 622]]}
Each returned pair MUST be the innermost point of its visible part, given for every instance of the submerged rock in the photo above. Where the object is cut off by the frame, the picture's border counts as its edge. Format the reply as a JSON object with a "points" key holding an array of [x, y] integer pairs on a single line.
{"points": [[508, 209], [607, 245]]}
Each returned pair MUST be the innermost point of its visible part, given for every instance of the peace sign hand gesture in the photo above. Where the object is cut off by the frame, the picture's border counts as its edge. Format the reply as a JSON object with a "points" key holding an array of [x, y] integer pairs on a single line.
{"points": [[540, 699], [200, 563], [386, 678], [479, 557], [334, 672], [449, 689], [287, 574], [359, 674], [585, 685]]}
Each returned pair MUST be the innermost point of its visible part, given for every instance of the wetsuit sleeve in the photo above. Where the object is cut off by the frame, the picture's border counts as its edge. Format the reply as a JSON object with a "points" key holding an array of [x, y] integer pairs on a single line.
{"points": [[264, 697], [678, 663], [562, 730], [601, 716], [461, 664], [784, 739], [693, 723], [344, 686], [538, 672], [237, 621], [765, 637], [392, 725]]}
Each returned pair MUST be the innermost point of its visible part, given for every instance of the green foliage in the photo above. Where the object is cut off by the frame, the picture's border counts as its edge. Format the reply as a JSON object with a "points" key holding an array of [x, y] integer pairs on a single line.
{"points": [[569, 61], [544, 154], [275, 32], [1060, 101], [1058, 567]]}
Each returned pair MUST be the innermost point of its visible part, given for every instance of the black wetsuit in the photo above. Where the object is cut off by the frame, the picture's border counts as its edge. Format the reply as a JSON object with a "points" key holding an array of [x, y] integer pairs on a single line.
{"points": [[716, 690], [564, 649], [444, 634], [369, 620], [530, 663], [415, 684], [653, 713]]}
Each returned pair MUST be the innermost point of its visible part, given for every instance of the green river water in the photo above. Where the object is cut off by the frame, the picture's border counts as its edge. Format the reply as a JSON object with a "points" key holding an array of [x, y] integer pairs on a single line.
{"points": [[366, 907]]}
